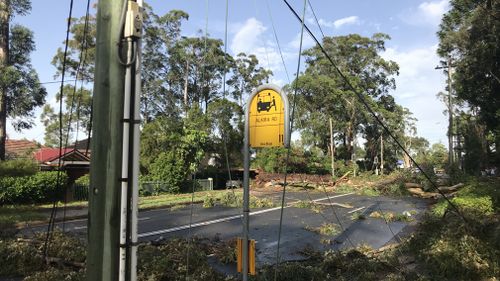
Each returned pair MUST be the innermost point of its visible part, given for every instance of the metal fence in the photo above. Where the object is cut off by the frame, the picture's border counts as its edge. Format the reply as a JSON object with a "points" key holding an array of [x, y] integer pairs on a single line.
{"points": [[206, 184], [81, 192]]}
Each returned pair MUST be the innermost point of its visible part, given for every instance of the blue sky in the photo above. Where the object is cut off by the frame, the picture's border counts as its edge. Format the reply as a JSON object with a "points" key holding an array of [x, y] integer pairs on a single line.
{"points": [[411, 24]]}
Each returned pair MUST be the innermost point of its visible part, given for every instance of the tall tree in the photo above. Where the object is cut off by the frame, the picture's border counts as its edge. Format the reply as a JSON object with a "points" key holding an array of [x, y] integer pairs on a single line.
{"points": [[20, 89], [197, 67], [160, 35], [324, 94], [470, 35], [247, 75], [76, 117]]}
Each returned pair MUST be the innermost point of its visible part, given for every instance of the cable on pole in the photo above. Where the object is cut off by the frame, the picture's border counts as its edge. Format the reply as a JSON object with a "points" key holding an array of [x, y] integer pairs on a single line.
{"points": [[362, 99], [289, 146]]}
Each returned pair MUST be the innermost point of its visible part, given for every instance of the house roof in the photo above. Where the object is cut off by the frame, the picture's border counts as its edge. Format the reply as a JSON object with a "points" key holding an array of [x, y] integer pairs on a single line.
{"points": [[48, 155], [20, 148], [82, 144]]}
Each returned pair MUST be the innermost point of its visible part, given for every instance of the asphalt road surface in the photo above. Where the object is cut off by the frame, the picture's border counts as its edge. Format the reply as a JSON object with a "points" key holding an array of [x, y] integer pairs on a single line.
{"points": [[342, 210]]}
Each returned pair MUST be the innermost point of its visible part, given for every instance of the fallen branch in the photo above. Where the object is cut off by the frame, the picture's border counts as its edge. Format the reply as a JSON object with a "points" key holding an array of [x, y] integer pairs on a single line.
{"points": [[347, 206], [447, 189], [342, 178]]}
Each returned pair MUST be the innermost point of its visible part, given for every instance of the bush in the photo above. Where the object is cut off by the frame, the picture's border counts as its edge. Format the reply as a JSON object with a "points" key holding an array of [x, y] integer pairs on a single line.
{"points": [[18, 168], [41, 187], [342, 167], [170, 169], [83, 180]]}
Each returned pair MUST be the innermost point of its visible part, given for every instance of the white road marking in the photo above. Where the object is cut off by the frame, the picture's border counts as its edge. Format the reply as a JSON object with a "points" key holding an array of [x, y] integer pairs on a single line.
{"points": [[144, 219], [209, 222], [355, 210]]}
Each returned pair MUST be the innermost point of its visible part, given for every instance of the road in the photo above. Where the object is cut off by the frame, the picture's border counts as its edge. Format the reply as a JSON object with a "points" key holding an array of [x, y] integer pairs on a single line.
{"points": [[226, 223]]}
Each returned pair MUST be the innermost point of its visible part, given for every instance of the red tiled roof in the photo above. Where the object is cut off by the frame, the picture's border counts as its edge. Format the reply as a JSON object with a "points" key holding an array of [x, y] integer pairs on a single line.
{"points": [[20, 148], [45, 155]]}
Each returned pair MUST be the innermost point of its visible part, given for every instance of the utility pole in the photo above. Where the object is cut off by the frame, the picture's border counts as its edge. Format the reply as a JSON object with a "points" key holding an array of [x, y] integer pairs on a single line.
{"points": [[449, 66], [382, 154], [332, 147], [115, 139]]}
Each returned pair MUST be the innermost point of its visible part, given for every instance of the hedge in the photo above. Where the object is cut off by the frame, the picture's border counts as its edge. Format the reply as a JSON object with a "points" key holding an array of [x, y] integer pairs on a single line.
{"points": [[41, 187]]}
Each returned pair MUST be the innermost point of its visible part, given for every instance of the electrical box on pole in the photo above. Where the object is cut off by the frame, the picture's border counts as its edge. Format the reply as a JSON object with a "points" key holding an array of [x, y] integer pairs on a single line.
{"points": [[267, 124]]}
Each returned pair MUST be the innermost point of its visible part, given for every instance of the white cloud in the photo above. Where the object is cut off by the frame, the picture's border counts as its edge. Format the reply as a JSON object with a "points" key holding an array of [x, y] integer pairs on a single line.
{"points": [[340, 22], [307, 41], [248, 37], [346, 21], [417, 86], [427, 13], [251, 37]]}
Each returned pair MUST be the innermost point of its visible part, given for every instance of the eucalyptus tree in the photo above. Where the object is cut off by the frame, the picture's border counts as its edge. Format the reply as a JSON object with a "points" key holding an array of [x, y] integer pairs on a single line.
{"points": [[247, 75], [325, 94], [197, 66], [20, 89]]}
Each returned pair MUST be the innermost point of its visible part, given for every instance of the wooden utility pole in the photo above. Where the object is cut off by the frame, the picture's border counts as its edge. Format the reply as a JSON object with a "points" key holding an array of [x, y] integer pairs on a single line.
{"points": [[449, 66], [450, 117], [332, 147], [4, 61], [105, 168], [381, 154]]}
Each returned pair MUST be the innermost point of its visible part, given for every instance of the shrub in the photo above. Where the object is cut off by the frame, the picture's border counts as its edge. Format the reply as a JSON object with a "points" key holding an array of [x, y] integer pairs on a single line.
{"points": [[170, 169], [38, 188], [342, 167], [83, 180], [18, 168]]}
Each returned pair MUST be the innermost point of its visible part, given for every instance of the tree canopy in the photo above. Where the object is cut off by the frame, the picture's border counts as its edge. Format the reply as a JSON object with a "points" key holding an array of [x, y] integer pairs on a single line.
{"points": [[20, 89]]}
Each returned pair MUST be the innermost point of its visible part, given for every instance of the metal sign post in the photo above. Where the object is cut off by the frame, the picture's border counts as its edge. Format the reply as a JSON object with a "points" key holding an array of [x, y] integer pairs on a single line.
{"points": [[267, 124]]}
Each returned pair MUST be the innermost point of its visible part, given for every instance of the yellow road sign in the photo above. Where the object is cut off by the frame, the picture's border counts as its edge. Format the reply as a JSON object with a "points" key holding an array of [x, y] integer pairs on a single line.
{"points": [[267, 118]]}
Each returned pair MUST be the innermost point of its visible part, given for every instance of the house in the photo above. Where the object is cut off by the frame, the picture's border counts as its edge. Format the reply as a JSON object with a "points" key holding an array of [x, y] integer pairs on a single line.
{"points": [[20, 149], [74, 162]]}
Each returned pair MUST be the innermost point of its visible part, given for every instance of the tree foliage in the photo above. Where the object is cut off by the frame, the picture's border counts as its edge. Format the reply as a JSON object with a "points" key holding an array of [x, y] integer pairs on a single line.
{"points": [[470, 35], [20, 89], [324, 94]]}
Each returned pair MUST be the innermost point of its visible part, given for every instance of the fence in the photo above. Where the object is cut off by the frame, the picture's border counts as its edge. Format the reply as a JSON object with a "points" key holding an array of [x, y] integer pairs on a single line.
{"points": [[81, 192]]}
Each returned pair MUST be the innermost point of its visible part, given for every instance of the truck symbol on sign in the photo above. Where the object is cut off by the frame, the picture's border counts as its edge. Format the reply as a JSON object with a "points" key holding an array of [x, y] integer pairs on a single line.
{"points": [[266, 105]]}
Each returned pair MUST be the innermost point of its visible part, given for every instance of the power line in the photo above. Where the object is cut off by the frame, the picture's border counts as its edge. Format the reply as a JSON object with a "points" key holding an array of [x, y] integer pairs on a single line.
{"points": [[277, 41], [83, 57], [53, 213], [372, 112], [289, 145]]}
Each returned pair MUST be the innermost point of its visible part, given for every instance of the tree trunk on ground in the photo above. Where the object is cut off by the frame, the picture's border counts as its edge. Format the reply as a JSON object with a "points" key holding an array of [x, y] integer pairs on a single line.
{"points": [[4, 61]]}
